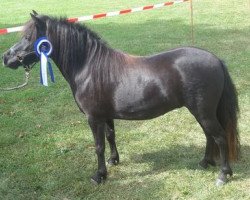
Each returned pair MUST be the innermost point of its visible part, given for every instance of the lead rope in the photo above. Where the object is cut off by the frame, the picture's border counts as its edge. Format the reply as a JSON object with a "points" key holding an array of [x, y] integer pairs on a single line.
{"points": [[27, 75]]}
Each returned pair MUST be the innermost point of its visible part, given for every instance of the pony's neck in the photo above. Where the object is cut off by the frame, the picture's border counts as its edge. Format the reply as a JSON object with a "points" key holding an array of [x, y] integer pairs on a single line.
{"points": [[74, 46], [77, 49]]}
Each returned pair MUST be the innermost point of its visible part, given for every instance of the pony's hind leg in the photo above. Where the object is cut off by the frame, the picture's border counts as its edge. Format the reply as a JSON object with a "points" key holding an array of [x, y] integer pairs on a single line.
{"points": [[110, 135], [211, 151], [213, 128], [211, 147]]}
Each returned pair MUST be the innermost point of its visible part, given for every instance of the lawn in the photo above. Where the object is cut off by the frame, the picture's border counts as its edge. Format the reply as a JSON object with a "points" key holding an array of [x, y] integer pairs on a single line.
{"points": [[46, 147]]}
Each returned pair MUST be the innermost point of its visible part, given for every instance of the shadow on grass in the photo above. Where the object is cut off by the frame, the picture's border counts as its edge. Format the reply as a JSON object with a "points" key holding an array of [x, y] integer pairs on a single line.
{"points": [[179, 157]]}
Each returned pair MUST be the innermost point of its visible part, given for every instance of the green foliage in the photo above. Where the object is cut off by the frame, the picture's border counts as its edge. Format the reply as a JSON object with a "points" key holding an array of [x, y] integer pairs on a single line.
{"points": [[46, 147]]}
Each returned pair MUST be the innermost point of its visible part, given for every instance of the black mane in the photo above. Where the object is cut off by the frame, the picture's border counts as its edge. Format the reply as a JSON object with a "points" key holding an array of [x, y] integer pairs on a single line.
{"points": [[66, 35]]}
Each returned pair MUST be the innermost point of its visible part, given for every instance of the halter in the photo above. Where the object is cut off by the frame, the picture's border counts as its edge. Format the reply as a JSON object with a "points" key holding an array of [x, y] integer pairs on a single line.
{"points": [[27, 67]]}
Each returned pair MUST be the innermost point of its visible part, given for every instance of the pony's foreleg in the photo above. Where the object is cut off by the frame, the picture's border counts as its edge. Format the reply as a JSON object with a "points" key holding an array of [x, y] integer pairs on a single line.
{"points": [[98, 130], [110, 135]]}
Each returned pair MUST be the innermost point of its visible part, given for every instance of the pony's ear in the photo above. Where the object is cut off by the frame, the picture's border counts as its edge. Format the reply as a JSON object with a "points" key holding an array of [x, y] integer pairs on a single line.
{"points": [[34, 12], [38, 21]]}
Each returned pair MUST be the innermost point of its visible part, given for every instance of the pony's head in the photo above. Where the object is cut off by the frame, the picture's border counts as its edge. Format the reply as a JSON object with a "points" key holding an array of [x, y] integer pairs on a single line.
{"points": [[22, 53]]}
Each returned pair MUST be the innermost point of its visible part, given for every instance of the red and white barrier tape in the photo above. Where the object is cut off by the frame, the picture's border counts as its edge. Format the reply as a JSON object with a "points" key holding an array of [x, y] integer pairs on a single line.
{"points": [[102, 15]]}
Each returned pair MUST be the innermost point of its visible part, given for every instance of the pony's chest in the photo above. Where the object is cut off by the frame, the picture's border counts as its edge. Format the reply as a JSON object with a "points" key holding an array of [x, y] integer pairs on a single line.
{"points": [[94, 99]]}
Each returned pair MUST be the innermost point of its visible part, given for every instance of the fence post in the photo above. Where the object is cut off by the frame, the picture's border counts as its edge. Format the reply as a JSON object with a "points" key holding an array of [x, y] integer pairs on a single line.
{"points": [[192, 21]]}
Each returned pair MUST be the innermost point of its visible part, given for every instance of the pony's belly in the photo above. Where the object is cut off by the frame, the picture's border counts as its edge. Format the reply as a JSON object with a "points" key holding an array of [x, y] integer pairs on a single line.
{"points": [[142, 113], [138, 102]]}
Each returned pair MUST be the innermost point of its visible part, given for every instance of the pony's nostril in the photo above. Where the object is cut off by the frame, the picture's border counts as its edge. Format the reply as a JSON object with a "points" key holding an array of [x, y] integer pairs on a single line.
{"points": [[20, 58]]}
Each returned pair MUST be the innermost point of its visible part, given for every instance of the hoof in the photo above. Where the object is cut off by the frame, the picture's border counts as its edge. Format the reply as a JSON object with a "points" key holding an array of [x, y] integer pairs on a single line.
{"points": [[113, 161], [95, 182], [98, 179], [220, 182]]}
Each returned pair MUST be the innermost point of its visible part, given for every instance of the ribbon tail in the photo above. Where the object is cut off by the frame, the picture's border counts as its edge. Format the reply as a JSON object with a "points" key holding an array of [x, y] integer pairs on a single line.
{"points": [[51, 72], [43, 71], [41, 77]]}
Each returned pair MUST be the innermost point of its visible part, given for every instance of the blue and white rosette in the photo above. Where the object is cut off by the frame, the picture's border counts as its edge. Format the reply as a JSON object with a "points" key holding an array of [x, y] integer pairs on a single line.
{"points": [[43, 49]]}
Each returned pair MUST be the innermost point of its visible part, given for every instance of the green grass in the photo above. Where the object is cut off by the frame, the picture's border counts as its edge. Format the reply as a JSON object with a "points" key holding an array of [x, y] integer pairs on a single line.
{"points": [[46, 147]]}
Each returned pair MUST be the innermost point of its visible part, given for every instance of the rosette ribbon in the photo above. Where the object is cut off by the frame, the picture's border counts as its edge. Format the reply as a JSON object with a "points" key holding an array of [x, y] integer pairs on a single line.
{"points": [[43, 49]]}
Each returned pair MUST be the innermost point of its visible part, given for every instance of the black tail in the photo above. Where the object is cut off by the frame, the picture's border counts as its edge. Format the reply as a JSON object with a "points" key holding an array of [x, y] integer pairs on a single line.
{"points": [[227, 113]]}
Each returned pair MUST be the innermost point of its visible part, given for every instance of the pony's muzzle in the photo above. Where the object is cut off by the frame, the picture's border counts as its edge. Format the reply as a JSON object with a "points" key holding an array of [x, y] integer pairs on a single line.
{"points": [[10, 60], [4, 58]]}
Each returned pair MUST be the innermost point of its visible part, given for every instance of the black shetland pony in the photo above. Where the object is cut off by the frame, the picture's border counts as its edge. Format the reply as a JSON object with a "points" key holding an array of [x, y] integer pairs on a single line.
{"points": [[108, 84]]}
